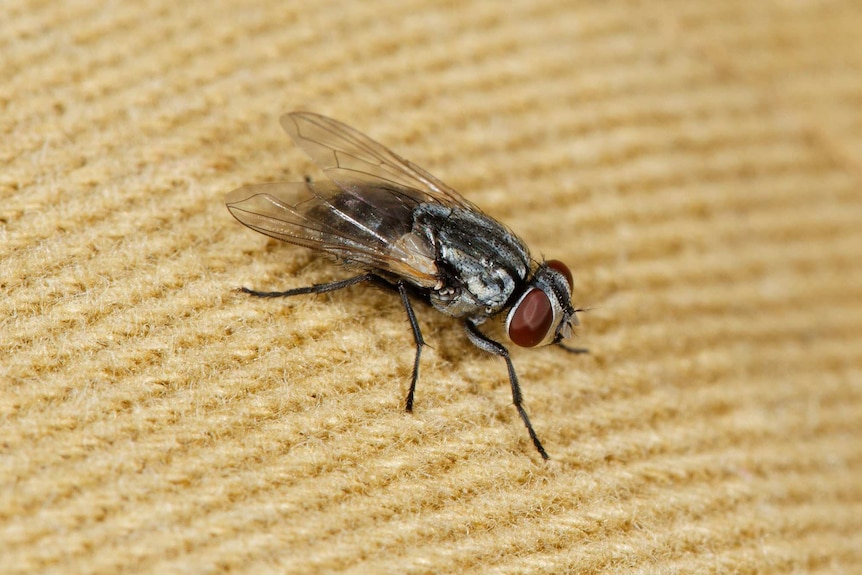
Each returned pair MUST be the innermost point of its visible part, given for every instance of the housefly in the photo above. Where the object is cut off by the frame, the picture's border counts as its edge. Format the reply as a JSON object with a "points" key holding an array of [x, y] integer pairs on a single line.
{"points": [[407, 231]]}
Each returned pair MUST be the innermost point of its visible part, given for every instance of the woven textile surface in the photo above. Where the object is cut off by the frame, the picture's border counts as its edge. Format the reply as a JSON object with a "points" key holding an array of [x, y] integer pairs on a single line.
{"points": [[698, 165]]}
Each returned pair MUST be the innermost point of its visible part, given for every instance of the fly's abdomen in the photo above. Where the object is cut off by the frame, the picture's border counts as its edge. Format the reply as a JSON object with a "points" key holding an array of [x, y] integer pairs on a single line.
{"points": [[361, 217]]}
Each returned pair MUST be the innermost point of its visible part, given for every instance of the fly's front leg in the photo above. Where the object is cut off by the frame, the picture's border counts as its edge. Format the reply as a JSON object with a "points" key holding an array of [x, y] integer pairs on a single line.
{"points": [[485, 343], [316, 288], [417, 337], [574, 350]]}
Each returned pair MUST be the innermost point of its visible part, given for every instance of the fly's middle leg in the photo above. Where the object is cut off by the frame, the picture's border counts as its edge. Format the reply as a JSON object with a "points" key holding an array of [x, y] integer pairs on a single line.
{"points": [[341, 284], [417, 337]]}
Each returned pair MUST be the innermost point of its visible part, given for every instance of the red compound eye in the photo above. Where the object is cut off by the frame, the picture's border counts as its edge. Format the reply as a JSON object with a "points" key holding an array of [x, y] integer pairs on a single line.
{"points": [[563, 269], [531, 319]]}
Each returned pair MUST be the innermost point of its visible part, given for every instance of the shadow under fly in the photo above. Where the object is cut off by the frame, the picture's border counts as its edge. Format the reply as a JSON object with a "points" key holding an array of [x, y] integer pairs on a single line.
{"points": [[407, 231]]}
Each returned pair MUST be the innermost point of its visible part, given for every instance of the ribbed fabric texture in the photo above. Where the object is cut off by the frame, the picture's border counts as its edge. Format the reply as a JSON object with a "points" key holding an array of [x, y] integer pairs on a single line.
{"points": [[698, 165]]}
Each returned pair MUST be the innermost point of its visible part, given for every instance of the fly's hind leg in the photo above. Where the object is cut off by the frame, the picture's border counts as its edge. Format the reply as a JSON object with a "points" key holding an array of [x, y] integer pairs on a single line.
{"points": [[337, 285], [485, 343], [316, 288]]}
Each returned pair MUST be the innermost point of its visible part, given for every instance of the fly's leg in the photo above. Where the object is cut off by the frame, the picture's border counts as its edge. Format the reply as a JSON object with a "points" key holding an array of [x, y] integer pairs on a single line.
{"points": [[484, 343], [337, 285], [574, 350], [417, 337], [316, 288]]}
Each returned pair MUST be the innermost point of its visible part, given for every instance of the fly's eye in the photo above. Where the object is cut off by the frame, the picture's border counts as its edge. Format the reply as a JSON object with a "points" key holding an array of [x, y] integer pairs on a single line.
{"points": [[563, 269], [531, 319]]}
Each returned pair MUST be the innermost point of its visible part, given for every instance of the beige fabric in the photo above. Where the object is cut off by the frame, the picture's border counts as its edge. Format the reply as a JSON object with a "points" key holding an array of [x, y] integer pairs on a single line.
{"points": [[697, 164]]}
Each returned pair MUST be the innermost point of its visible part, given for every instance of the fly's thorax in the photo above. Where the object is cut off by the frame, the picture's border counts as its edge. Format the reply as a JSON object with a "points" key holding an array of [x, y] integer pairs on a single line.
{"points": [[480, 262], [543, 314], [471, 288]]}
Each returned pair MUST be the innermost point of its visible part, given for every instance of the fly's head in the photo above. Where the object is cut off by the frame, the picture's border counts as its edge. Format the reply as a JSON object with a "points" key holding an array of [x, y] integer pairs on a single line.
{"points": [[544, 313]]}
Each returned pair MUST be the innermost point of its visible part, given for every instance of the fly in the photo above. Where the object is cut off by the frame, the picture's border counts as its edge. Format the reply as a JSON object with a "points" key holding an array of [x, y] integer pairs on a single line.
{"points": [[407, 231]]}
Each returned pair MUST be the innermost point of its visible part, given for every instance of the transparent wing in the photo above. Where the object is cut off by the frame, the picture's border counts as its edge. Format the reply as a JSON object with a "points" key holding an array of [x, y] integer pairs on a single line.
{"points": [[370, 227], [354, 161]]}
